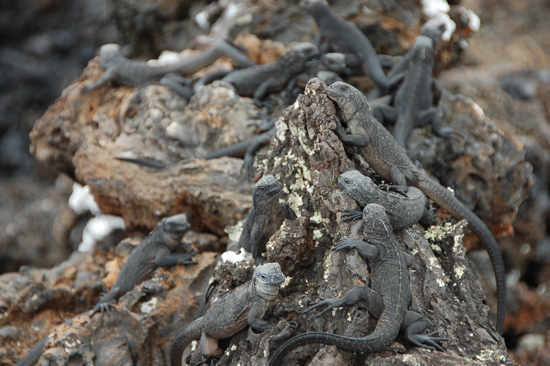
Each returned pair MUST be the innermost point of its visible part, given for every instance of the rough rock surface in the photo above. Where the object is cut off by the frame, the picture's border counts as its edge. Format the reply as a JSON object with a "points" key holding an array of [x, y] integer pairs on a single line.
{"points": [[83, 134], [145, 321], [307, 158]]}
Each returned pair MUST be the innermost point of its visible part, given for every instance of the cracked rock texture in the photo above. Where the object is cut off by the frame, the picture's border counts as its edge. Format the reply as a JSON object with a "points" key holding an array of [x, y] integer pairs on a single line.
{"points": [[499, 169]]}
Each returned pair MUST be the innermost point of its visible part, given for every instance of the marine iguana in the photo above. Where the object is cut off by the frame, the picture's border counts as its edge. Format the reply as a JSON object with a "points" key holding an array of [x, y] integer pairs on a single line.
{"points": [[245, 305], [156, 250], [412, 103], [265, 217], [261, 80], [404, 210], [389, 160], [388, 298], [346, 38], [433, 29], [327, 68], [135, 73]]}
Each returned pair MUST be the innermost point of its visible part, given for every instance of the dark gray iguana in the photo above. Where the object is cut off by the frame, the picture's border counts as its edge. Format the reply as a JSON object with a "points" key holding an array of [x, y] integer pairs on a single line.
{"points": [[327, 68], [154, 251], [404, 210], [389, 160], [388, 298], [265, 217], [412, 103], [245, 305], [346, 38], [433, 29], [261, 80], [135, 73]]}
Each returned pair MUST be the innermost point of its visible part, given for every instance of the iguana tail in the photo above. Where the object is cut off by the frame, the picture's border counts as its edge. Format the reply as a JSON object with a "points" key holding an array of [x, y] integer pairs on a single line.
{"points": [[32, 357], [376, 341], [181, 341], [444, 198]]}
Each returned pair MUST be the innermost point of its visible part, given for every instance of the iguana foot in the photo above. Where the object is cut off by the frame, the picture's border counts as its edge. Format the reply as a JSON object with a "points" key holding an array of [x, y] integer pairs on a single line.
{"points": [[103, 308], [330, 303], [352, 215], [187, 258], [393, 188], [345, 243], [427, 341]]}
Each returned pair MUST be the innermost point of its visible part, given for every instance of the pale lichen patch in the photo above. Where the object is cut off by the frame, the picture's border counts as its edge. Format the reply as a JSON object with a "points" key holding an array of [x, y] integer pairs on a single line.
{"points": [[287, 281], [327, 265]]}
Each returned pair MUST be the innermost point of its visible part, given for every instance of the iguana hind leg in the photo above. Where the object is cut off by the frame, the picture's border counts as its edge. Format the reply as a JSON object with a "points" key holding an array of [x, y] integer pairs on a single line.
{"points": [[414, 325]]}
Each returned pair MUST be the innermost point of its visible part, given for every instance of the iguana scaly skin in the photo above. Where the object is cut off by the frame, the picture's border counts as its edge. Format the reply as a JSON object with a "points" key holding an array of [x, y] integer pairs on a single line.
{"points": [[135, 73], [265, 217], [404, 210], [245, 305], [156, 250], [261, 80], [388, 298], [412, 103], [389, 160]]}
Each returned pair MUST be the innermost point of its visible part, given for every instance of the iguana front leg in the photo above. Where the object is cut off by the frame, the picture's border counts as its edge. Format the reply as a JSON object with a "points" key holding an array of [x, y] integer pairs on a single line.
{"points": [[107, 76], [372, 301], [170, 260], [365, 250], [353, 140]]}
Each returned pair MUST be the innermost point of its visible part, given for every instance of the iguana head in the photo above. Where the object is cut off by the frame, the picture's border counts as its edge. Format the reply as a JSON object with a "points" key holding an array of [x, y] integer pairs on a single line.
{"points": [[334, 62], [265, 190], [174, 228], [423, 49], [315, 7], [356, 185], [348, 99], [267, 279], [374, 215], [299, 54], [108, 52]]}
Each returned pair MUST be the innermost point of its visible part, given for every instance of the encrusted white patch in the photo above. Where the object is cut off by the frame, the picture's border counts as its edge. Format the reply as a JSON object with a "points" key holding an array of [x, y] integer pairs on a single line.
{"points": [[450, 26], [411, 360], [234, 232], [478, 111], [165, 58], [202, 20], [281, 129], [431, 8], [459, 271], [194, 346], [97, 230], [317, 234], [473, 19], [438, 9], [287, 281], [232, 257], [327, 265], [486, 355], [82, 201], [148, 306]]}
